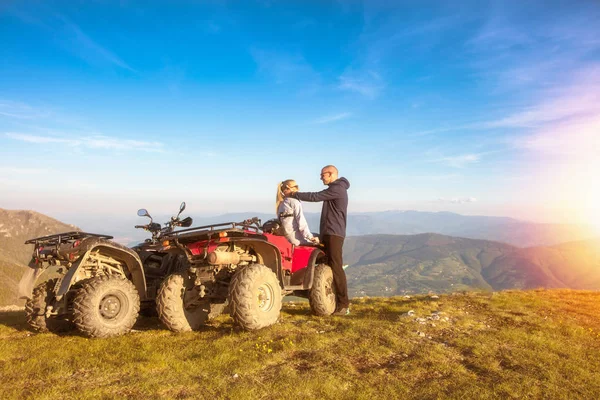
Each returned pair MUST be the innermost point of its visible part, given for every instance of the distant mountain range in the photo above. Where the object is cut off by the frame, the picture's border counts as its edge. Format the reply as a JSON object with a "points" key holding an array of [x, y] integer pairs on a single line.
{"points": [[390, 264], [501, 229], [387, 265]]}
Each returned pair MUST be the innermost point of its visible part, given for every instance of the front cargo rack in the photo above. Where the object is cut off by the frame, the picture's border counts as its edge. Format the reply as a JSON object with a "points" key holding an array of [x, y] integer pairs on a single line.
{"points": [[64, 237]]}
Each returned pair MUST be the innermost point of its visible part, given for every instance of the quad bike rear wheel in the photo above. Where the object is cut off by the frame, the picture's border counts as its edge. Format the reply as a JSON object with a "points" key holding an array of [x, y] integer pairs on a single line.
{"points": [[255, 297], [35, 310], [180, 306], [105, 306], [322, 294]]}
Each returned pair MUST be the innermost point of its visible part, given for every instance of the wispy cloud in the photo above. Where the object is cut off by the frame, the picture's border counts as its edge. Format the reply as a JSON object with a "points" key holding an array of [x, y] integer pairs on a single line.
{"points": [[332, 118], [368, 84], [512, 53], [20, 110], [23, 171], [91, 142], [459, 161], [457, 200], [89, 49], [70, 35], [578, 139], [285, 68], [440, 177], [574, 102]]}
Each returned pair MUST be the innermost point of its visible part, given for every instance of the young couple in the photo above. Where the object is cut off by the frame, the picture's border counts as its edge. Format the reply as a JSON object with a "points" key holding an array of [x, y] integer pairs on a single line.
{"points": [[332, 227]]}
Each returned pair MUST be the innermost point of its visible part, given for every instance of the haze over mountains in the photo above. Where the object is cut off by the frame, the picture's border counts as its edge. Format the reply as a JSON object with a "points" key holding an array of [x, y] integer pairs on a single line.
{"points": [[502, 229], [388, 264]]}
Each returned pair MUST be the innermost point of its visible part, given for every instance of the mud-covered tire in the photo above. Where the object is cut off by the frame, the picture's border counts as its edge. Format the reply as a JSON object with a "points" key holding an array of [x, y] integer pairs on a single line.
{"points": [[106, 306], [255, 297], [35, 310], [322, 294], [173, 310]]}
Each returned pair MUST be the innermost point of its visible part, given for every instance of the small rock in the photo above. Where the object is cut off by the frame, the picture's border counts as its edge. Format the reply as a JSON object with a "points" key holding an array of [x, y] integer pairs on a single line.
{"points": [[435, 317], [421, 320], [405, 355], [432, 324], [407, 297], [421, 334], [235, 376], [320, 331], [435, 297], [410, 313]]}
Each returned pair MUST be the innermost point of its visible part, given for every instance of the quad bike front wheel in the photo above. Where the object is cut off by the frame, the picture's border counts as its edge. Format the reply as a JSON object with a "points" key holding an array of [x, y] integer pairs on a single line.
{"points": [[255, 297], [35, 310], [180, 306], [322, 294], [105, 306]]}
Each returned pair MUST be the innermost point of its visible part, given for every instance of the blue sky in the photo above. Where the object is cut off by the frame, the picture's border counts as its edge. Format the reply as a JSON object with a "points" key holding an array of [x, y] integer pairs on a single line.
{"points": [[486, 108]]}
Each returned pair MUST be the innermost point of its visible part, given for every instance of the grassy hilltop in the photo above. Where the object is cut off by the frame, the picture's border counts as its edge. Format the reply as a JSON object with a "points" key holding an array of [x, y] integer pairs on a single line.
{"points": [[512, 344]]}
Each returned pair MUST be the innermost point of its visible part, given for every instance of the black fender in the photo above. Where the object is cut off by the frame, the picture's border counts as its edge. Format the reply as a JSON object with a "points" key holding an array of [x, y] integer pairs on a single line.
{"points": [[27, 282], [303, 278], [309, 274], [119, 252]]}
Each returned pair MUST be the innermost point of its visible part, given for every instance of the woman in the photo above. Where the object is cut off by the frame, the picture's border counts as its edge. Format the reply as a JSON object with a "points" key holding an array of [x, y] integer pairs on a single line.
{"points": [[291, 217]]}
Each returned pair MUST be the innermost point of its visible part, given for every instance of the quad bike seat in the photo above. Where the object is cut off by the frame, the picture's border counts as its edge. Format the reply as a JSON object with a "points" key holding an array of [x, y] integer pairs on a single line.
{"points": [[273, 227]]}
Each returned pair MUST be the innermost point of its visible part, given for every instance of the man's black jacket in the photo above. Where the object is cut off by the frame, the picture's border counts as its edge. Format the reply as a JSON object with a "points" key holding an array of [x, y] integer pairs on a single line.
{"points": [[335, 206]]}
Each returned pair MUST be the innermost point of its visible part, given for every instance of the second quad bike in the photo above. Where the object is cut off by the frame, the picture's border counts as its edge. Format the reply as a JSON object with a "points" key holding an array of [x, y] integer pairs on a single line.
{"points": [[190, 275]]}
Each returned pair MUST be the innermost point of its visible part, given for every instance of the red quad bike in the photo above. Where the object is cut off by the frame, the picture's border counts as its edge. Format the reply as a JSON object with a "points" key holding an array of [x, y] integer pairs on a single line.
{"points": [[189, 275], [243, 265]]}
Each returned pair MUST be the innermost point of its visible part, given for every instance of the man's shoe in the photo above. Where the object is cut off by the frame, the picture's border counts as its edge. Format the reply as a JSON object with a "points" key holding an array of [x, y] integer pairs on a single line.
{"points": [[342, 311]]}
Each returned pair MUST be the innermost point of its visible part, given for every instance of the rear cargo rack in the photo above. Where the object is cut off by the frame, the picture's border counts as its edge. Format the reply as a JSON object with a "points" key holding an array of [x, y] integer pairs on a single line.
{"points": [[252, 225], [64, 237]]}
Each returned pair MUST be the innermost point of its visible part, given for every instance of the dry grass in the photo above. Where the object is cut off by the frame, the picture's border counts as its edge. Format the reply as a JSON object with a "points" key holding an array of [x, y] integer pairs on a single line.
{"points": [[514, 344]]}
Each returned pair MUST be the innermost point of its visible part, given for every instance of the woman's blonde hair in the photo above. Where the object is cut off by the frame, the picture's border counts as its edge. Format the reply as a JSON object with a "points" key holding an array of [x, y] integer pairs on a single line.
{"points": [[281, 186]]}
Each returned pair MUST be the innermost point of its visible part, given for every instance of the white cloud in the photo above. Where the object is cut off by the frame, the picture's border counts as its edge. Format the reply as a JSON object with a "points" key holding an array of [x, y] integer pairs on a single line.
{"points": [[285, 68], [332, 118], [86, 46], [368, 85], [459, 161], [18, 110], [457, 200], [91, 142], [23, 171], [579, 139], [69, 35], [578, 99]]}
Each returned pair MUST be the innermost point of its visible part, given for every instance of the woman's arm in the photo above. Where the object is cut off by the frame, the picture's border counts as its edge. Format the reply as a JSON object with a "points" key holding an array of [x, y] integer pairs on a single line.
{"points": [[302, 224], [286, 217]]}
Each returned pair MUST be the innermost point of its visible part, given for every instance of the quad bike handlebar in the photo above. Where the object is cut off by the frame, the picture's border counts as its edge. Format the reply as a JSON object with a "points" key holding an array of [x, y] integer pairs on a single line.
{"points": [[157, 230]]}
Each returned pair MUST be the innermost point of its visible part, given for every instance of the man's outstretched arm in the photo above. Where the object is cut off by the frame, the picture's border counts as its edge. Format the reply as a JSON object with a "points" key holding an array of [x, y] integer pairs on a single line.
{"points": [[328, 194]]}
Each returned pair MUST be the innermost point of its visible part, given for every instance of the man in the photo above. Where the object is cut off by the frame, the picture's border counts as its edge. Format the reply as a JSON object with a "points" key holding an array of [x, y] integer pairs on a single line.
{"points": [[333, 228]]}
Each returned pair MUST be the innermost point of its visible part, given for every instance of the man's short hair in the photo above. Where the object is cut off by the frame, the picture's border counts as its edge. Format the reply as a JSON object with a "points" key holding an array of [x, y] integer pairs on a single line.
{"points": [[331, 167]]}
